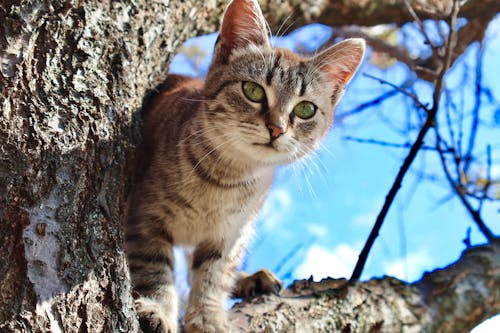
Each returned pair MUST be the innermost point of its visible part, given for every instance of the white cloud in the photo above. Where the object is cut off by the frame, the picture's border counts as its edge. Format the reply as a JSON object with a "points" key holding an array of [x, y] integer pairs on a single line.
{"points": [[317, 230], [367, 219], [322, 262], [488, 326], [181, 276], [409, 268], [338, 262], [275, 207], [495, 172]]}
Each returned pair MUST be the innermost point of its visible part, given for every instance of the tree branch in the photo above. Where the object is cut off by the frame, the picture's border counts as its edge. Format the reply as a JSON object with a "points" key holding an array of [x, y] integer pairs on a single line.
{"points": [[429, 122], [473, 31], [453, 299], [425, 68], [369, 13], [475, 112], [460, 191], [403, 91], [419, 22], [388, 144]]}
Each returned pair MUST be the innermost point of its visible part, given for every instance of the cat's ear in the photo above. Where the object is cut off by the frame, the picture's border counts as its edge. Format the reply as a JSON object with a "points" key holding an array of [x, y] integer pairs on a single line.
{"points": [[341, 61], [243, 24]]}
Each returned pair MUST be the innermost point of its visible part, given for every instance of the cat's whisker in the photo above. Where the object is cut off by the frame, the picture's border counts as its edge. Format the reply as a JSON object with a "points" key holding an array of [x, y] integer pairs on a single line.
{"points": [[280, 33], [268, 29], [326, 149], [208, 141], [199, 137], [259, 51], [295, 167], [322, 166], [311, 157], [214, 149], [198, 134], [196, 99], [316, 162], [303, 169]]}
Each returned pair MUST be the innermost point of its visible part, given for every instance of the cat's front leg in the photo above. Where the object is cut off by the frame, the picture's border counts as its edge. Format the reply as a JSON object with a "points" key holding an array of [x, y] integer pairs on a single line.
{"points": [[155, 313], [213, 266], [150, 257]]}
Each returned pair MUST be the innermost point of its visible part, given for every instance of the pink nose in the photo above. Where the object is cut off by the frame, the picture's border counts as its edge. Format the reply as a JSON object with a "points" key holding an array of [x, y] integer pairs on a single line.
{"points": [[275, 131]]}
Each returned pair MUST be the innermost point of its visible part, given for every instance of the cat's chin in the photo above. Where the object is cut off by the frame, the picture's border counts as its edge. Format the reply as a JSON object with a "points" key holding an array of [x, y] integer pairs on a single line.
{"points": [[273, 153]]}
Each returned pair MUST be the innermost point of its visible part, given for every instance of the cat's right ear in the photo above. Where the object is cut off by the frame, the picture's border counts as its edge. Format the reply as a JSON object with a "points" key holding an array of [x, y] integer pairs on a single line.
{"points": [[242, 25], [341, 61]]}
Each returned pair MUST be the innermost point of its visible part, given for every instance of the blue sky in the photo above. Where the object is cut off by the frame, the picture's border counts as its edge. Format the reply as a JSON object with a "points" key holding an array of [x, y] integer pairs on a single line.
{"points": [[319, 213]]}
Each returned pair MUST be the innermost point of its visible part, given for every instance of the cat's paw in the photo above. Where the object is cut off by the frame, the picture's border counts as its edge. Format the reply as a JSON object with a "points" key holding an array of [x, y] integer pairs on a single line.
{"points": [[152, 319], [262, 282]]}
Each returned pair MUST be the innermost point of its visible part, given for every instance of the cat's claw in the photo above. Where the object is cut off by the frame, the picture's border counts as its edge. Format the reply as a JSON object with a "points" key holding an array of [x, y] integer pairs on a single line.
{"points": [[260, 283], [152, 319]]}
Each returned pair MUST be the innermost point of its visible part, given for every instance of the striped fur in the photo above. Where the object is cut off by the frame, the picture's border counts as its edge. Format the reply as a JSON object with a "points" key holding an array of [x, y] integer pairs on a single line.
{"points": [[207, 161]]}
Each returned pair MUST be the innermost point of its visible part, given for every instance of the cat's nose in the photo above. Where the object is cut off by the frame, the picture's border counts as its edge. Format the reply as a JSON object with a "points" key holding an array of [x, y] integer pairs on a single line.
{"points": [[275, 131]]}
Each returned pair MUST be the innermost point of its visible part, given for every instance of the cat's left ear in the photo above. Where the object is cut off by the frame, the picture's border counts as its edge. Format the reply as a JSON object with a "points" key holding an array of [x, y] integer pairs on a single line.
{"points": [[243, 24], [341, 61]]}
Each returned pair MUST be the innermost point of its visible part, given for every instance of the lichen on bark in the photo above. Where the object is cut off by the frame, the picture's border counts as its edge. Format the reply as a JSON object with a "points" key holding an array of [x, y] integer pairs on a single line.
{"points": [[73, 76]]}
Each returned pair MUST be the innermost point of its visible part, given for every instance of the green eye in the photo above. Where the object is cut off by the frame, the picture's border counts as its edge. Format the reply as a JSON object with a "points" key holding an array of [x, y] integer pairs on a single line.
{"points": [[254, 92], [304, 110]]}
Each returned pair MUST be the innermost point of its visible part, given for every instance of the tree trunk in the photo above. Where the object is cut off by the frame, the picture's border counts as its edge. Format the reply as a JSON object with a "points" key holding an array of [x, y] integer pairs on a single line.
{"points": [[73, 76]]}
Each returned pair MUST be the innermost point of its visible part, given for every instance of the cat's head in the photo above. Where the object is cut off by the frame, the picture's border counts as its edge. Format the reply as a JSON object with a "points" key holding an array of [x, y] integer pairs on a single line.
{"points": [[272, 105]]}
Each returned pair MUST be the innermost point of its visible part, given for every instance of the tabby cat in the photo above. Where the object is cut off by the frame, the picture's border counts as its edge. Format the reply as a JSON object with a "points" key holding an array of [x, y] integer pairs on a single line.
{"points": [[207, 160]]}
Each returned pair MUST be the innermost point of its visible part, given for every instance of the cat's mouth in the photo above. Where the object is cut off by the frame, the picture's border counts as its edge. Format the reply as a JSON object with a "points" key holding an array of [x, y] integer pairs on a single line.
{"points": [[274, 153], [269, 145]]}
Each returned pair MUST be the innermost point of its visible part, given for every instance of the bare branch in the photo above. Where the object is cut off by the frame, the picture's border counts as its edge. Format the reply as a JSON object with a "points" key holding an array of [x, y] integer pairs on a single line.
{"points": [[369, 13], [461, 193], [419, 23], [401, 90], [427, 68], [488, 177], [390, 144], [366, 105], [475, 112], [429, 122], [472, 32]]}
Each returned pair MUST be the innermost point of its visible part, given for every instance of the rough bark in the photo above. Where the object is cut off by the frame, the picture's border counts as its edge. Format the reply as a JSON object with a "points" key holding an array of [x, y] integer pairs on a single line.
{"points": [[72, 78], [453, 299], [367, 13]]}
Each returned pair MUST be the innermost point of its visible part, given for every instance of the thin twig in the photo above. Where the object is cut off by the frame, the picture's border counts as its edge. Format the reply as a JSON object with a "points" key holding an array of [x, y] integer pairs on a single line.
{"points": [[419, 23], [449, 124], [360, 108], [401, 90], [460, 191], [390, 144], [429, 123], [488, 178], [475, 111]]}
